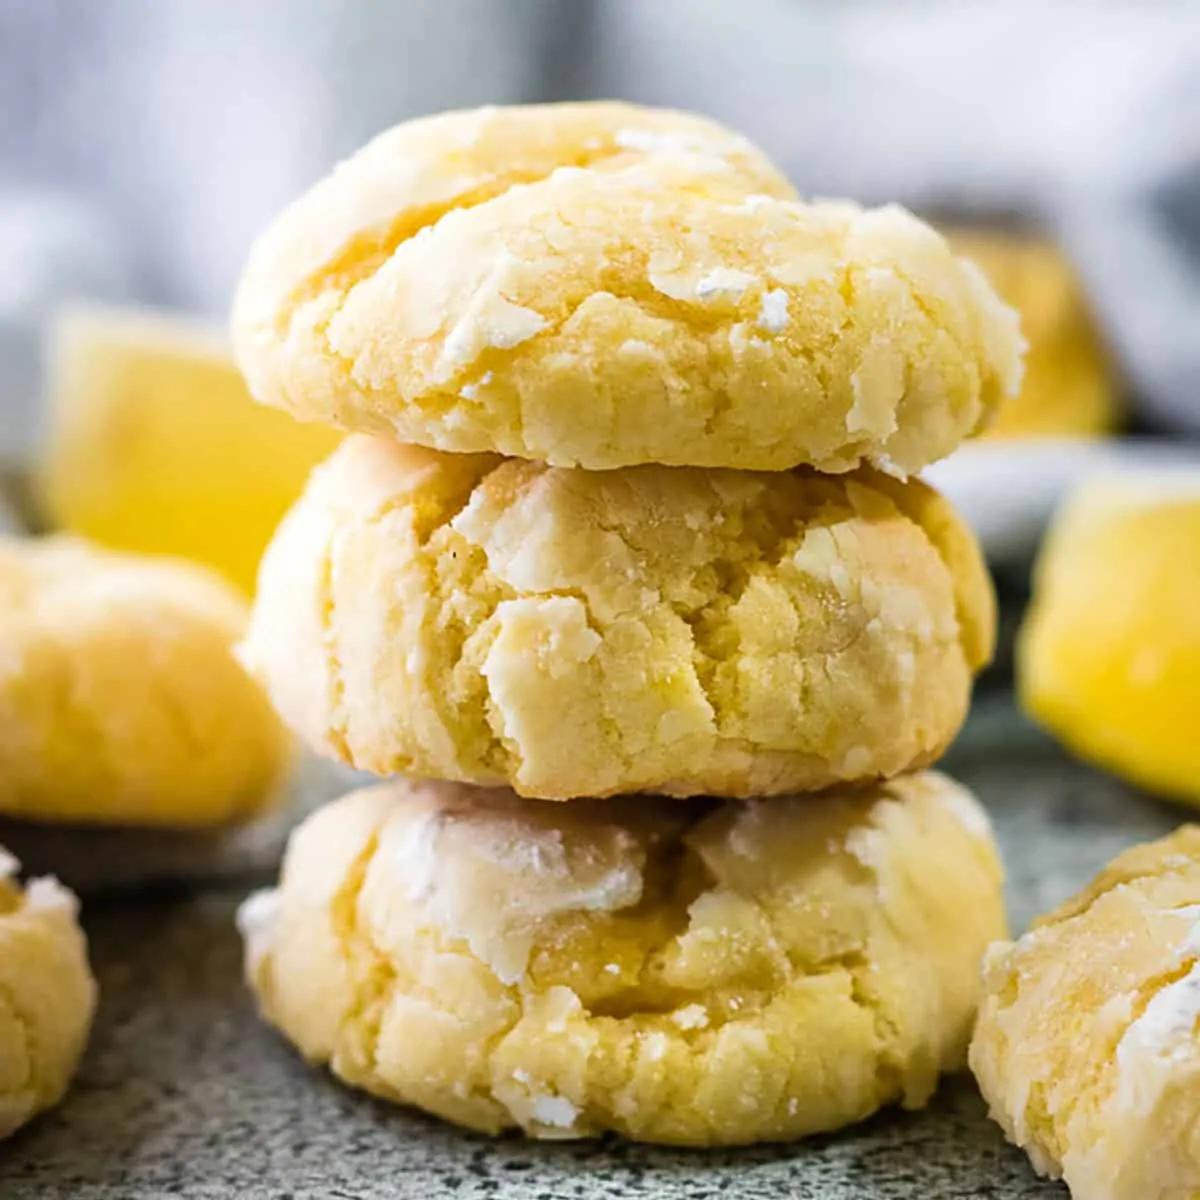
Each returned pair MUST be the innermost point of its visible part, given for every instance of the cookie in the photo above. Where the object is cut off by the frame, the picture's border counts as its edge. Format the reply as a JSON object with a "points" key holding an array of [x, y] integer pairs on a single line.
{"points": [[1086, 1046], [121, 701], [47, 995], [707, 974], [602, 285], [575, 633], [1108, 657]]}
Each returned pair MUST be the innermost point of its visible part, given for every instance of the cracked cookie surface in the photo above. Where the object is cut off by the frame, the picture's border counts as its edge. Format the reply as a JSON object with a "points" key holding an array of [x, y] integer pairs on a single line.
{"points": [[121, 700], [574, 633], [714, 973], [47, 995], [603, 285], [1086, 1048]]}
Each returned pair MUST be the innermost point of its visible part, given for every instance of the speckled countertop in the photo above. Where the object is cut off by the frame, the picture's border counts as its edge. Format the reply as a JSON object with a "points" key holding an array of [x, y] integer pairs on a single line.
{"points": [[184, 1094]]}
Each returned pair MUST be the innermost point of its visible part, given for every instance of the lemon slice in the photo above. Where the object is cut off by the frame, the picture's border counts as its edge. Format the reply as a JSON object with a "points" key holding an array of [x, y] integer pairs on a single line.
{"points": [[1109, 656], [155, 445]]}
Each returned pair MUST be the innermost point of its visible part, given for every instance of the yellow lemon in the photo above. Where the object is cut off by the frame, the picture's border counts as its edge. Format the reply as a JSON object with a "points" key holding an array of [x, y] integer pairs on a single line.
{"points": [[1109, 656], [155, 445], [1069, 386]]}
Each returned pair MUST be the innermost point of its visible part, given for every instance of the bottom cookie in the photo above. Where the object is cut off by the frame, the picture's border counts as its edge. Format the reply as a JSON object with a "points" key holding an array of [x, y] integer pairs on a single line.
{"points": [[710, 973]]}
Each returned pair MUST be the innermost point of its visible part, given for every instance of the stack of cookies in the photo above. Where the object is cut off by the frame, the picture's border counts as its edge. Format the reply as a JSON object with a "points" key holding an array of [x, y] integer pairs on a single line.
{"points": [[624, 523]]}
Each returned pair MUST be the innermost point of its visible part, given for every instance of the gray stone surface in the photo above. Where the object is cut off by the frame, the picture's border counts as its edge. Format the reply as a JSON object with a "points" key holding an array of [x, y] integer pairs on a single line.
{"points": [[184, 1093]]}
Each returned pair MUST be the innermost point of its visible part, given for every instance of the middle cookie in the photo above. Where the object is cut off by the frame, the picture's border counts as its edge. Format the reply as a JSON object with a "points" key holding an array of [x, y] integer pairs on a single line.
{"points": [[575, 633]]}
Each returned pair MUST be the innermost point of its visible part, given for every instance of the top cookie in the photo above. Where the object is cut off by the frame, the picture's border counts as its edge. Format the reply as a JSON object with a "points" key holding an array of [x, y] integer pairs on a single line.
{"points": [[603, 285]]}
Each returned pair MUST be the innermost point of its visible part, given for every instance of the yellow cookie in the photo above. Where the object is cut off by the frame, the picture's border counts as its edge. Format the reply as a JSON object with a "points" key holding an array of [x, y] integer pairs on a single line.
{"points": [[704, 974], [602, 285], [1109, 656], [576, 633], [47, 995], [121, 701], [1086, 1047], [1070, 385]]}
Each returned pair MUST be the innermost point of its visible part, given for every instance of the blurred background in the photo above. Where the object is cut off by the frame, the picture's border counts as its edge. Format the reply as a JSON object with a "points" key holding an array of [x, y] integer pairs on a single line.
{"points": [[148, 143]]}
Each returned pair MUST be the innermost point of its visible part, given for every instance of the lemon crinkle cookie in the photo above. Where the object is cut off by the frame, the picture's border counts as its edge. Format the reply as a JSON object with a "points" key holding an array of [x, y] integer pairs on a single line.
{"points": [[47, 995], [576, 633], [703, 974], [121, 700], [1086, 1047], [603, 285]]}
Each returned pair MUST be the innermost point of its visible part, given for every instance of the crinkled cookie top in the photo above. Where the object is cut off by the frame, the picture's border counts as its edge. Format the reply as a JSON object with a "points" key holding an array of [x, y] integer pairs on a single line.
{"points": [[603, 285]]}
